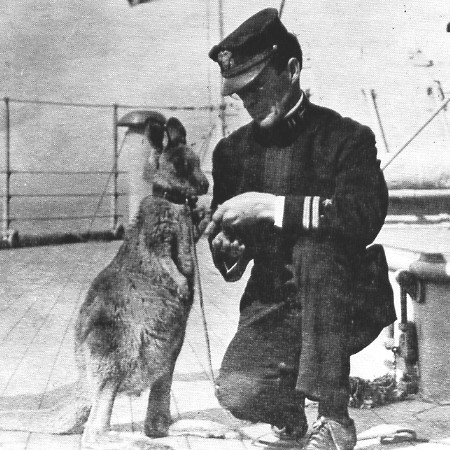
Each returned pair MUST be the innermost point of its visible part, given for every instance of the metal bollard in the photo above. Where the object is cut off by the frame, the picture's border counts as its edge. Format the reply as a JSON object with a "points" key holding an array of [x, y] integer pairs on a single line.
{"points": [[427, 281], [137, 150]]}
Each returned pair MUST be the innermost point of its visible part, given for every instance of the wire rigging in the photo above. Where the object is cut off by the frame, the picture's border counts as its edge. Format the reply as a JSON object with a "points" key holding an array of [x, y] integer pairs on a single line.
{"points": [[443, 105], [281, 8]]}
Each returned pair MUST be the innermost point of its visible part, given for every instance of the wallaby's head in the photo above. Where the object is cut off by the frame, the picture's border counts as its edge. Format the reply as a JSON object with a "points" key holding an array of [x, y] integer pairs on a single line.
{"points": [[178, 173]]}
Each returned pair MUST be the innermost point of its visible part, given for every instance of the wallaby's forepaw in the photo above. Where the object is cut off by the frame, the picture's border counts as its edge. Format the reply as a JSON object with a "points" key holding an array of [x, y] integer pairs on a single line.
{"points": [[201, 216], [183, 291]]}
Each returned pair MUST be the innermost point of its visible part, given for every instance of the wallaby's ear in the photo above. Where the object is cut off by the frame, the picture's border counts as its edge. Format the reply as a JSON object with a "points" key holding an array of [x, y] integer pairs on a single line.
{"points": [[154, 131], [175, 131]]}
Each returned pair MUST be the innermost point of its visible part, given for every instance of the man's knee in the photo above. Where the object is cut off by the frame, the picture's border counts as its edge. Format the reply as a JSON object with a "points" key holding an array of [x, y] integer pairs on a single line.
{"points": [[237, 392], [255, 399]]}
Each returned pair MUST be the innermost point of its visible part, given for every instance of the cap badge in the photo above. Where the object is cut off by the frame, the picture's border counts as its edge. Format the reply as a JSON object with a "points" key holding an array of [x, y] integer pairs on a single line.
{"points": [[226, 60]]}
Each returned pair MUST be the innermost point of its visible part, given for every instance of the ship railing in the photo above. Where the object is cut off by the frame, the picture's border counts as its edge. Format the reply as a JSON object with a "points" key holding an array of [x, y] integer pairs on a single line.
{"points": [[10, 234]]}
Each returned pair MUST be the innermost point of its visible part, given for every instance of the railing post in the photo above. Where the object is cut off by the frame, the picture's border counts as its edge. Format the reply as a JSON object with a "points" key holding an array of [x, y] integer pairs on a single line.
{"points": [[115, 197], [6, 194]]}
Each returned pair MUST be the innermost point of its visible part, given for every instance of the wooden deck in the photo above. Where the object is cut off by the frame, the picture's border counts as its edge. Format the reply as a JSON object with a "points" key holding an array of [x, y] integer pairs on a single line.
{"points": [[41, 289]]}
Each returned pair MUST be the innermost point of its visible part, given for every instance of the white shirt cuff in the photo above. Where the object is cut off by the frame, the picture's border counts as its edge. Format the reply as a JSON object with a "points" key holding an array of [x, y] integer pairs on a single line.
{"points": [[279, 211]]}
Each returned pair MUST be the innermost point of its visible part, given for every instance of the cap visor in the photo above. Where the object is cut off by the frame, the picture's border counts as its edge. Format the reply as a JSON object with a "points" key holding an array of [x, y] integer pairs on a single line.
{"points": [[235, 84]]}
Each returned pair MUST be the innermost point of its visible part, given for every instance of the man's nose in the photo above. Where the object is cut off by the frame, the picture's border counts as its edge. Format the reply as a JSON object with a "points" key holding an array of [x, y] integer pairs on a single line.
{"points": [[248, 98], [247, 92]]}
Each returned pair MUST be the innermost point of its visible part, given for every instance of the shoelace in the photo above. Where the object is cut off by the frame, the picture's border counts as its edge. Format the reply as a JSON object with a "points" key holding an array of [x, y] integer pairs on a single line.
{"points": [[318, 424], [285, 440], [281, 433]]}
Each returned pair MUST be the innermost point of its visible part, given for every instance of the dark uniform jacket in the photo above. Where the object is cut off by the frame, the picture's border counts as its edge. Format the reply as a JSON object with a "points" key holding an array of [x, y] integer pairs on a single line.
{"points": [[335, 204]]}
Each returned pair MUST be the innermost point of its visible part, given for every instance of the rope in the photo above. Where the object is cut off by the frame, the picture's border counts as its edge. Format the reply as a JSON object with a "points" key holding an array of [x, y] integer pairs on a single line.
{"points": [[102, 196], [205, 325], [202, 305], [208, 40]]}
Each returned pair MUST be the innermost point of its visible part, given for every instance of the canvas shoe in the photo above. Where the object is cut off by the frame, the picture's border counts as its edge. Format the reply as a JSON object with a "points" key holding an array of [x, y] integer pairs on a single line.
{"points": [[286, 437], [327, 434]]}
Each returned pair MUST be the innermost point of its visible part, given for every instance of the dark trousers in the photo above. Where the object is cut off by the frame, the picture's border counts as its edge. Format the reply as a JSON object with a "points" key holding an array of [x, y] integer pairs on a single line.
{"points": [[259, 371], [326, 292], [286, 351]]}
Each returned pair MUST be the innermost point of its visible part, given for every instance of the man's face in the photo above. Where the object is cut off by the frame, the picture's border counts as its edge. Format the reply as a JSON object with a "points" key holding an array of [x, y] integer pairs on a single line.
{"points": [[267, 97]]}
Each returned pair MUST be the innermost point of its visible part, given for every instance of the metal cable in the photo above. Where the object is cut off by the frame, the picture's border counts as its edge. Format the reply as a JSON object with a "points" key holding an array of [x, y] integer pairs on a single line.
{"points": [[104, 105], [281, 8], [443, 105]]}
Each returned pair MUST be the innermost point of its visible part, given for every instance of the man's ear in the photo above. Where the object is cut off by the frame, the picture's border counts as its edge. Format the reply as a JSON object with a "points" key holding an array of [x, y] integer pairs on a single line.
{"points": [[294, 70]]}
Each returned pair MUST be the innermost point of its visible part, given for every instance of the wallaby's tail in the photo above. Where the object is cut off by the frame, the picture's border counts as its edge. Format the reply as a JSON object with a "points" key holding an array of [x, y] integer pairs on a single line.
{"points": [[64, 411]]}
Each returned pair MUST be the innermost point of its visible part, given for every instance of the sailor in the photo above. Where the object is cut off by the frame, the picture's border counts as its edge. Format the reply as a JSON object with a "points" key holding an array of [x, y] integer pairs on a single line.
{"points": [[299, 191]]}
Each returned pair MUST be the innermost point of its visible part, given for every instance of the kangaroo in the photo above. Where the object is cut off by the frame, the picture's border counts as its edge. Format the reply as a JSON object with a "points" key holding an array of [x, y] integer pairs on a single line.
{"points": [[131, 325]]}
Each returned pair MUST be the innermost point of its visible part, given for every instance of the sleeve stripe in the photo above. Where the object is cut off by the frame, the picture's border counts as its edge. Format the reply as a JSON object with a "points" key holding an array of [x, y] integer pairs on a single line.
{"points": [[315, 213], [307, 212], [279, 211]]}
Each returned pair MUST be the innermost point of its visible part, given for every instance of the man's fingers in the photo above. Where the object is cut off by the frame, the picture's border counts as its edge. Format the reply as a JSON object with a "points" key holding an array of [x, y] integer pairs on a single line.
{"points": [[231, 219], [210, 228], [218, 214], [236, 245], [222, 243], [236, 248], [216, 220], [217, 243]]}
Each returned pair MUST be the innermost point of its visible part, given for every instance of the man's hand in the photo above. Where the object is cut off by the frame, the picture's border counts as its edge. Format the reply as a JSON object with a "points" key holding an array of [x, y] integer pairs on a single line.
{"points": [[231, 221], [243, 211], [229, 256], [231, 248]]}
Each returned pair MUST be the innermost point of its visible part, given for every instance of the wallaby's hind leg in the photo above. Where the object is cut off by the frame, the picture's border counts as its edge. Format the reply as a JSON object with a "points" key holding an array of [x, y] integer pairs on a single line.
{"points": [[99, 420], [158, 420], [97, 434]]}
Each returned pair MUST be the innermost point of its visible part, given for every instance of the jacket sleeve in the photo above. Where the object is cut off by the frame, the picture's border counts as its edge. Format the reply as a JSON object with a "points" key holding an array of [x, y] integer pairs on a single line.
{"points": [[358, 206]]}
